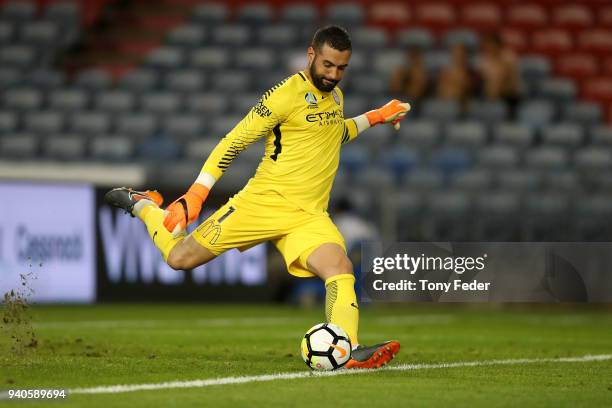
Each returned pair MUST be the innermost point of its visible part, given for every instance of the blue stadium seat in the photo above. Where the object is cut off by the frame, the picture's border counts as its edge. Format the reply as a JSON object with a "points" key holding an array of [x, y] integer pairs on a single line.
{"points": [[64, 147], [562, 181], [415, 38], [208, 103], [440, 110], [19, 146], [140, 80], [185, 81], [111, 148], [491, 112], [593, 158], [210, 13], [449, 216], [536, 113], [534, 68], [355, 105], [375, 179], [161, 102], [7, 32], [18, 11], [435, 61], [259, 59], [45, 78], [140, 125], [232, 81], [424, 179], [18, 56], [166, 57], [384, 62], [277, 35], [90, 123], [69, 99], [255, 14], [367, 84], [354, 158], [472, 180], [497, 215], [183, 126], [419, 133], [159, 149], [498, 156], [466, 134], [592, 217], [187, 36], [557, 90], [300, 14], [65, 12], [8, 121], [377, 138], [40, 33], [547, 157], [584, 113], [345, 14], [465, 37], [10, 77], [370, 38], [25, 99], [242, 103], [563, 134], [93, 79], [513, 134], [210, 58], [116, 100], [601, 135], [44, 122], [450, 160], [222, 125], [547, 216], [199, 149], [519, 180], [235, 35], [399, 161]]}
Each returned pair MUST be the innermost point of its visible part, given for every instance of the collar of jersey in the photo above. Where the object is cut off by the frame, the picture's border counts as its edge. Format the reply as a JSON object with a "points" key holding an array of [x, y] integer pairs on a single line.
{"points": [[311, 85]]}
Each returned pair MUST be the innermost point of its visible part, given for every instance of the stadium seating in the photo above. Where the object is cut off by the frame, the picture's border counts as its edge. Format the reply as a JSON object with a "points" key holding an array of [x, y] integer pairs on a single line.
{"points": [[447, 161]]}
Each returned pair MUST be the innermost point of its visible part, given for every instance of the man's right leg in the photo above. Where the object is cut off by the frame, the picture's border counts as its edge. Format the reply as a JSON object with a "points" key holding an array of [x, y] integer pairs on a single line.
{"points": [[180, 252]]}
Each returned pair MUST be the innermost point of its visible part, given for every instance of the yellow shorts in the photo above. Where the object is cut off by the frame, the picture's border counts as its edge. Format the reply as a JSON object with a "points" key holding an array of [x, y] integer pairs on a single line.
{"points": [[248, 219]]}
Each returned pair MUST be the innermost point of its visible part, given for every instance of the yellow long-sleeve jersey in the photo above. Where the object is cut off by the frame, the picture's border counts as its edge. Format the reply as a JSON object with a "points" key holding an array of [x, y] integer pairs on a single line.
{"points": [[305, 129]]}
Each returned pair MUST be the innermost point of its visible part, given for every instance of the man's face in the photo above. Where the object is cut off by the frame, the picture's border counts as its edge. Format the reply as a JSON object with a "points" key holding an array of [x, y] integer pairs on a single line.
{"points": [[326, 66]]}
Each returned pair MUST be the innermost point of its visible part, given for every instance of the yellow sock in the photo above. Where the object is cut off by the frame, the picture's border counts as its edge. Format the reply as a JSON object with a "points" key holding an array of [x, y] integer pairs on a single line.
{"points": [[153, 217], [341, 304]]}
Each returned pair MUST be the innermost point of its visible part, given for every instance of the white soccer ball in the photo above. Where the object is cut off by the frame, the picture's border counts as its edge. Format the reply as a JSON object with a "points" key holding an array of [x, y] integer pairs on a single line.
{"points": [[326, 347]]}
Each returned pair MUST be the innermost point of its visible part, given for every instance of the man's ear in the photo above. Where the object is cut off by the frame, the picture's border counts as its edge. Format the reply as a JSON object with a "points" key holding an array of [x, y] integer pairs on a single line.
{"points": [[311, 54]]}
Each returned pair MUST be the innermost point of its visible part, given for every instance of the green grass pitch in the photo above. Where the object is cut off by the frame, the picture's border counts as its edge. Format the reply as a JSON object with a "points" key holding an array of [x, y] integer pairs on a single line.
{"points": [[105, 345]]}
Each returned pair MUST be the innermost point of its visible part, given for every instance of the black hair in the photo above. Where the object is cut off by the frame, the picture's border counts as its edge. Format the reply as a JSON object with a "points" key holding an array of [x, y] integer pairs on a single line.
{"points": [[334, 36]]}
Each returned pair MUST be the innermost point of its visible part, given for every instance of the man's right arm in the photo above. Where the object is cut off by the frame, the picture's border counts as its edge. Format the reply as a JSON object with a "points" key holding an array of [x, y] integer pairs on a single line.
{"points": [[271, 109]]}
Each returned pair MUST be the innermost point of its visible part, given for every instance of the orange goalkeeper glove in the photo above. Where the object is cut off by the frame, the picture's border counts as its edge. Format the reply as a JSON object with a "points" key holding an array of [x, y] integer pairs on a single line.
{"points": [[392, 112], [185, 209]]}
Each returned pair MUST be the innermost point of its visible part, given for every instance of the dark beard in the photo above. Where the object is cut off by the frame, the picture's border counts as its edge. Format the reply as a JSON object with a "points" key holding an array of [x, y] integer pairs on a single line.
{"points": [[317, 81]]}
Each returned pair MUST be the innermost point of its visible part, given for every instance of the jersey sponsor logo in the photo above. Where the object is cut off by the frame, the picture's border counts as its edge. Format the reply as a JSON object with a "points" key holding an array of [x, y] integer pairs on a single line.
{"points": [[336, 97], [262, 110], [326, 118], [310, 98]]}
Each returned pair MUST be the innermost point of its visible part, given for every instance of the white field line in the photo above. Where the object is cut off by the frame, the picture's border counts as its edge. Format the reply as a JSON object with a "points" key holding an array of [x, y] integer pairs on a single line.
{"points": [[224, 322], [114, 389]]}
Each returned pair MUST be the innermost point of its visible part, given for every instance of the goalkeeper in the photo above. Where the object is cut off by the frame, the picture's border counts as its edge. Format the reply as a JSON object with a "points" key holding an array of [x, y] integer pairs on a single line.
{"points": [[286, 200]]}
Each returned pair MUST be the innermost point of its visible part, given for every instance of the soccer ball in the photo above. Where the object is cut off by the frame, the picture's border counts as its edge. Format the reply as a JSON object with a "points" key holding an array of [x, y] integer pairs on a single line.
{"points": [[326, 347]]}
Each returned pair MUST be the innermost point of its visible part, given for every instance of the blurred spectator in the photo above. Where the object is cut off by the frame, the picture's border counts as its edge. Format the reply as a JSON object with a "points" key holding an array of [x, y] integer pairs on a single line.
{"points": [[411, 82], [498, 68], [353, 228], [457, 80]]}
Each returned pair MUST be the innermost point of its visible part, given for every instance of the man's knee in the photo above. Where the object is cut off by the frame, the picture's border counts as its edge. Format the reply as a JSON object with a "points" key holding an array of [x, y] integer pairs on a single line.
{"points": [[179, 259], [337, 266]]}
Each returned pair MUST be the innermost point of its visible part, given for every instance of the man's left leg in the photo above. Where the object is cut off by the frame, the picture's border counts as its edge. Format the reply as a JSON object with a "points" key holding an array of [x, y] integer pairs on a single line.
{"points": [[330, 263]]}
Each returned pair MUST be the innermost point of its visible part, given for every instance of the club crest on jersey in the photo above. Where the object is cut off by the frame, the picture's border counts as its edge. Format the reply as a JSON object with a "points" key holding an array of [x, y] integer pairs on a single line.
{"points": [[336, 97], [311, 99]]}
